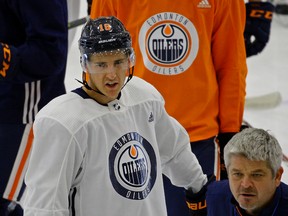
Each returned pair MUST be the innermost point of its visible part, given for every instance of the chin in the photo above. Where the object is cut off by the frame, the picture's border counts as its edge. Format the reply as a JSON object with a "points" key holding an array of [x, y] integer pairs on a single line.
{"points": [[111, 97], [249, 208]]}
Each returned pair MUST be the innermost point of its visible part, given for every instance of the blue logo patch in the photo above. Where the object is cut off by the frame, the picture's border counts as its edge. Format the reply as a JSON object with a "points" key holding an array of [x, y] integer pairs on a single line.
{"points": [[132, 166], [169, 43]]}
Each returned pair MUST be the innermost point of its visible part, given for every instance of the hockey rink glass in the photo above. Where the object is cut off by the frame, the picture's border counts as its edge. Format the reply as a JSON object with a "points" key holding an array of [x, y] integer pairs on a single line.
{"points": [[107, 62]]}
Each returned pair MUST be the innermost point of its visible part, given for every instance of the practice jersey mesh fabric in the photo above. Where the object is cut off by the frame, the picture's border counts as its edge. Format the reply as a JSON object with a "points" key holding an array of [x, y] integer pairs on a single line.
{"points": [[189, 52], [107, 159]]}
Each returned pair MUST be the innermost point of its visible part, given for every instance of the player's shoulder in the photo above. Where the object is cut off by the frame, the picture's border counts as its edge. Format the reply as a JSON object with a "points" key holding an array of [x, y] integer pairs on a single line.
{"points": [[63, 101], [72, 111], [142, 90], [70, 108], [141, 84]]}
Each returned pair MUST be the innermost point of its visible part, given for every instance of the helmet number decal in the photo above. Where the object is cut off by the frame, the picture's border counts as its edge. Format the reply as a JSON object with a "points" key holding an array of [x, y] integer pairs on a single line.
{"points": [[105, 27]]}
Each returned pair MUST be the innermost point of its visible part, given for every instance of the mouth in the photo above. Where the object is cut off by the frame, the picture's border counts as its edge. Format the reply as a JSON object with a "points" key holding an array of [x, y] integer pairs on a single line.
{"points": [[112, 84], [247, 195]]}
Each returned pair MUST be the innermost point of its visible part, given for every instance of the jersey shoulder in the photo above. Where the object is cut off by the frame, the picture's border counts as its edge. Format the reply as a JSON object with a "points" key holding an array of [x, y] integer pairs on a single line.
{"points": [[70, 110], [139, 90]]}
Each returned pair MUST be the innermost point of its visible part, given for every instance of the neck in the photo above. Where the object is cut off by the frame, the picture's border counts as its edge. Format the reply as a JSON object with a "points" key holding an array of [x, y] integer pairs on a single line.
{"points": [[98, 96]]}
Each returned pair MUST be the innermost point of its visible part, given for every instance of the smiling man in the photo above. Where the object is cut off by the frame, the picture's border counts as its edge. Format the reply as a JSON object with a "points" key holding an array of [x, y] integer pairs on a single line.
{"points": [[253, 159]]}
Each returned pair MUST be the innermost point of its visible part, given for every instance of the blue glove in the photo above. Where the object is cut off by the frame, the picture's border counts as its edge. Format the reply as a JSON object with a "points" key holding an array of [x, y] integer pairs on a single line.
{"points": [[197, 201], [257, 29]]}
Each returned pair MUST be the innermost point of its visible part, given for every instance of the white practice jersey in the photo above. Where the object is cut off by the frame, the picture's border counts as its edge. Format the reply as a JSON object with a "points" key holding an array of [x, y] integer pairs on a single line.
{"points": [[98, 160]]}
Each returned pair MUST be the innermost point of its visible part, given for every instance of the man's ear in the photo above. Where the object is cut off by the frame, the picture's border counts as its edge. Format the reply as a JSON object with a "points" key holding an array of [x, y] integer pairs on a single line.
{"points": [[278, 176], [83, 62]]}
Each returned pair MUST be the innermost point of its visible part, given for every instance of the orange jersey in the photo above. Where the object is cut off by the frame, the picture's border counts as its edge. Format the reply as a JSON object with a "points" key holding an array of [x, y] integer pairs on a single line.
{"points": [[193, 52]]}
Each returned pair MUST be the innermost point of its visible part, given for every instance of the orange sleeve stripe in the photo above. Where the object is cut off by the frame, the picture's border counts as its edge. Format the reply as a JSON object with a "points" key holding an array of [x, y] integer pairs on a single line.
{"points": [[22, 164]]}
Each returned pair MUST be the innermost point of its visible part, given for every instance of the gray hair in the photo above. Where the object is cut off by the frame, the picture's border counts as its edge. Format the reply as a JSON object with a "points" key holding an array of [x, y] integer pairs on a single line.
{"points": [[256, 145]]}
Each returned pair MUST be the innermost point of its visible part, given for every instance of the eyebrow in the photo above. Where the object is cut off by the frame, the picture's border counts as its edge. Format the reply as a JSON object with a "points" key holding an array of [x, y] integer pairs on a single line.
{"points": [[253, 171], [117, 60], [258, 170]]}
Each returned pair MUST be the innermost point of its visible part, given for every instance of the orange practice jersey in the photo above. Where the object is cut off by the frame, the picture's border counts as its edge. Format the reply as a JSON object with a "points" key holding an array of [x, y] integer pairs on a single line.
{"points": [[193, 52]]}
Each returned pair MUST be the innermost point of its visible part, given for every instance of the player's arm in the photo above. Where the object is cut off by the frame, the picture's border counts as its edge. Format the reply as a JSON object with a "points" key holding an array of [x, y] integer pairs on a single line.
{"points": [[54, 162], [258, 23], [179, 163], [44, 51], [230, 67]]}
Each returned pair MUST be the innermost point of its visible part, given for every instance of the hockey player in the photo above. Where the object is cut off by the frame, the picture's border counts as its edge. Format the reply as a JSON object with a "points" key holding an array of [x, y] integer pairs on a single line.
{"points": [[33, 53], [102, 148], [253, 159], [193, 52]]}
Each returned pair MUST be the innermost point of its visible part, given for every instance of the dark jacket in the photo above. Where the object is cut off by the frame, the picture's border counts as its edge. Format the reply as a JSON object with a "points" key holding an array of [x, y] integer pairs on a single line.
{"points": [[36, 33], [220, 201]]}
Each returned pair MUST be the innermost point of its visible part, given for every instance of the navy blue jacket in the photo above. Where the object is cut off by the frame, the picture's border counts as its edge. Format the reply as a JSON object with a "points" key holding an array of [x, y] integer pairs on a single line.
{"points": [[36, 33], [220, 201]]}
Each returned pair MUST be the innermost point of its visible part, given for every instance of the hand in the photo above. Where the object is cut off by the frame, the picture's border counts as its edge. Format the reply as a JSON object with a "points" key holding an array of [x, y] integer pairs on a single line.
{"points": [[257, 29], [197, 202], [223, 139]]}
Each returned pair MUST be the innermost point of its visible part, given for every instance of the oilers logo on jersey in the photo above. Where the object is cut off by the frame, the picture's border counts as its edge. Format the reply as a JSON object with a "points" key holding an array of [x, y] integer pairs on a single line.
{"points": [[132, 166], [170, 43]]}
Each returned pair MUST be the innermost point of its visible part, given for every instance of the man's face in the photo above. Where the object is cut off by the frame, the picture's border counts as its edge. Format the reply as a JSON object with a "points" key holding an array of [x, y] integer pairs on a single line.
{"points": [[107, 74], [251, 183]]}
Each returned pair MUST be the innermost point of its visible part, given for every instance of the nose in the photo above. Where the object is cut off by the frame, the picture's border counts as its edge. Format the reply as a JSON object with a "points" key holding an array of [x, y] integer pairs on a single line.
{"points": [[246, 182], [111, 73]]}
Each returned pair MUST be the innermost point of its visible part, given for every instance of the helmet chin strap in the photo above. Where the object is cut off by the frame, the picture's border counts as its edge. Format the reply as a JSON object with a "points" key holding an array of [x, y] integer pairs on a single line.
{"points": [[129, 76], [85, 84]]}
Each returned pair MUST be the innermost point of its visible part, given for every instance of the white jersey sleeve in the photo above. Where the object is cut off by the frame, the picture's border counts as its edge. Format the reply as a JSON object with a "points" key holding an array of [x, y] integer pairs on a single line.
{"points": [[56, 159], [178, 161]]}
